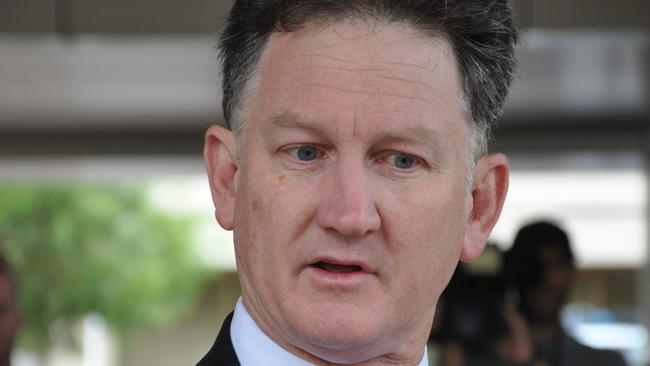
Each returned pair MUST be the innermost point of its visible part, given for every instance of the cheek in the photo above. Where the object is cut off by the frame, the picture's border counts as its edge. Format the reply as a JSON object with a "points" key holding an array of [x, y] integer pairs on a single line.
{"points": [[270, 214], [428, 236]]}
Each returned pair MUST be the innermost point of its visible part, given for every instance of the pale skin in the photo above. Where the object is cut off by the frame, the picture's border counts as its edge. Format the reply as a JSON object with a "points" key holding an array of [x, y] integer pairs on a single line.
{"points": [[347, 195]]}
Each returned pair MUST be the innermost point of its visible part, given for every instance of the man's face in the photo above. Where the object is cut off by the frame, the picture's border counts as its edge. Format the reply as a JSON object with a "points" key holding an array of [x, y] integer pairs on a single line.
{"points": [[9, 317], [350, 208]]}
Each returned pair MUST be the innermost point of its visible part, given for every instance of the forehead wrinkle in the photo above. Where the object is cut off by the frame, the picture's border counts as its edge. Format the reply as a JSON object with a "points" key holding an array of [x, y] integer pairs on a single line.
{"points": [[408, 81], [340, 68], [363, 92], [317, 55], [378, 70], [381, 73], [391, 113], [427, 69], [340, 105], [326, 56]]}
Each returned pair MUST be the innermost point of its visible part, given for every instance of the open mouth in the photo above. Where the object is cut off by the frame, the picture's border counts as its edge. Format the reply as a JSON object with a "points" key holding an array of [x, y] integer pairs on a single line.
{"points": [[337, 268]]}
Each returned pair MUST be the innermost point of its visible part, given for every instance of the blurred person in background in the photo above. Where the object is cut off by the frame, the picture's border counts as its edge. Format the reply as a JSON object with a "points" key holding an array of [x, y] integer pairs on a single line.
{"points": [[10, 319], [510, 315], [541, 265], [476, 324]]}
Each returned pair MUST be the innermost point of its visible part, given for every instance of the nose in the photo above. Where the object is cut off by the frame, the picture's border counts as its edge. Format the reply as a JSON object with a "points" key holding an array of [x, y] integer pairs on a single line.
{"points": [[347, 205]]}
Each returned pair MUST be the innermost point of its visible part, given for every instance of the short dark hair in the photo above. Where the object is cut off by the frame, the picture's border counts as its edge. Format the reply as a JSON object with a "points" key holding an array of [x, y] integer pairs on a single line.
{"points": [[481, 33], [534, 236], [523, 261]]}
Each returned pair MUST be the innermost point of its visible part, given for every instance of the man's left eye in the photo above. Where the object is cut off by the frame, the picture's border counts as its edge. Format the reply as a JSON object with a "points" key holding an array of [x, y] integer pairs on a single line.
{"points": [[403, 161]]}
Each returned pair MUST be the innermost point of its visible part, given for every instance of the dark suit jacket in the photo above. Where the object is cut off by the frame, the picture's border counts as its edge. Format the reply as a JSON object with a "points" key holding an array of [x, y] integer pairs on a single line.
{"points": [[222, 352]]}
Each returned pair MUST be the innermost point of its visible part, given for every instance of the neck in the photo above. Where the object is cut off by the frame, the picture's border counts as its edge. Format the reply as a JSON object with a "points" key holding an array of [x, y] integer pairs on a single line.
{"points": [[542, 333]]}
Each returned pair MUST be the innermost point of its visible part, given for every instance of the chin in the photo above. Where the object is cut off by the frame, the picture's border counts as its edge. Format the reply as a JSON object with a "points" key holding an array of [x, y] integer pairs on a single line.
{"points": [[340, 333]]}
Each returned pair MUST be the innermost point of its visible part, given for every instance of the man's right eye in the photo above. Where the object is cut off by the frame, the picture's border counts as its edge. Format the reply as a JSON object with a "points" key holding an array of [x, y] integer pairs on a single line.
{"points": [[306, 153], [304, 157]]}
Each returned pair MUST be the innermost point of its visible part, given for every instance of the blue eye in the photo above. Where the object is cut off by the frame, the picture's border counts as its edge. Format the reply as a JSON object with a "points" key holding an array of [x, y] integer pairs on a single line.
{"points": [[403, 161], [307, 153]]}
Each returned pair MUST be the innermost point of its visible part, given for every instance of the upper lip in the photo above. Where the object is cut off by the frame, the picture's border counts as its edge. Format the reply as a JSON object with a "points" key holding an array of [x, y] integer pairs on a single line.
{"points": [[365, 267]]}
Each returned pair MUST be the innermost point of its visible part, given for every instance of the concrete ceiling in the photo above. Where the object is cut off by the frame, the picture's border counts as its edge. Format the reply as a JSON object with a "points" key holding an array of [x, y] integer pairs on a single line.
{"points": [[140, 77], [205, 16]]}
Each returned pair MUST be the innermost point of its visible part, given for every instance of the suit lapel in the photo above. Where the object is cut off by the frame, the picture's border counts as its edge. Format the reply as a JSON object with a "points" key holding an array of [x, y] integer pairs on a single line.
{"points": [[222, 352]]}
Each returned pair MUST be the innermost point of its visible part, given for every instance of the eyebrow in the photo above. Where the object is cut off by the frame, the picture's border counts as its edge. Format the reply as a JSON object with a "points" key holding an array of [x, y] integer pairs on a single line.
{"points": [[286, 120], [416, 134], [290, 121]]}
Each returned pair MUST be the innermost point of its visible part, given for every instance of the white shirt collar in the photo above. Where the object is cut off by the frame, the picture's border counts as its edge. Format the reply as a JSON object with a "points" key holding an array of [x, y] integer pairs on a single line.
{"points": [[254, 347]]}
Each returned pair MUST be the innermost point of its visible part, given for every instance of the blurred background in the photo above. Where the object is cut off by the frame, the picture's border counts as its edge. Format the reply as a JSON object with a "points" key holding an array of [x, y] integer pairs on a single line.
{"points": [[105, 211]]}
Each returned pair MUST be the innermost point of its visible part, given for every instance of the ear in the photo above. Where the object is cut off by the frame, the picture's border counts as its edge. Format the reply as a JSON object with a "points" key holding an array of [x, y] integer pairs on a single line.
{"points": [[489, 189], [221, 162]]}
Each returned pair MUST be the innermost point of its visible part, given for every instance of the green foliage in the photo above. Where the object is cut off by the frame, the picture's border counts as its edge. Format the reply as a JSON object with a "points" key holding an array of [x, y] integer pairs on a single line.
{"points": [[86, 249]]}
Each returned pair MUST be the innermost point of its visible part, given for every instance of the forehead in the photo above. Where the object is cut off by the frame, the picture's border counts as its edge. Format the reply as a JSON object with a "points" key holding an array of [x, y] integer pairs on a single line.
{"points": [[362, 42], [552, 253], [364, 70]]}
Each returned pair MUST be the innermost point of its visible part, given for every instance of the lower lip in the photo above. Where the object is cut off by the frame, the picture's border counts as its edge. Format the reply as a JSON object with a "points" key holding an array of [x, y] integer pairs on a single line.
{"points": [[338, 278]]}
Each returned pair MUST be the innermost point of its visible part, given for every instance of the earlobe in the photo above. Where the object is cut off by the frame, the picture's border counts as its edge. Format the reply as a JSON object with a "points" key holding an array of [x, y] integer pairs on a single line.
{"points": [[221, 162], [488, 194]]}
